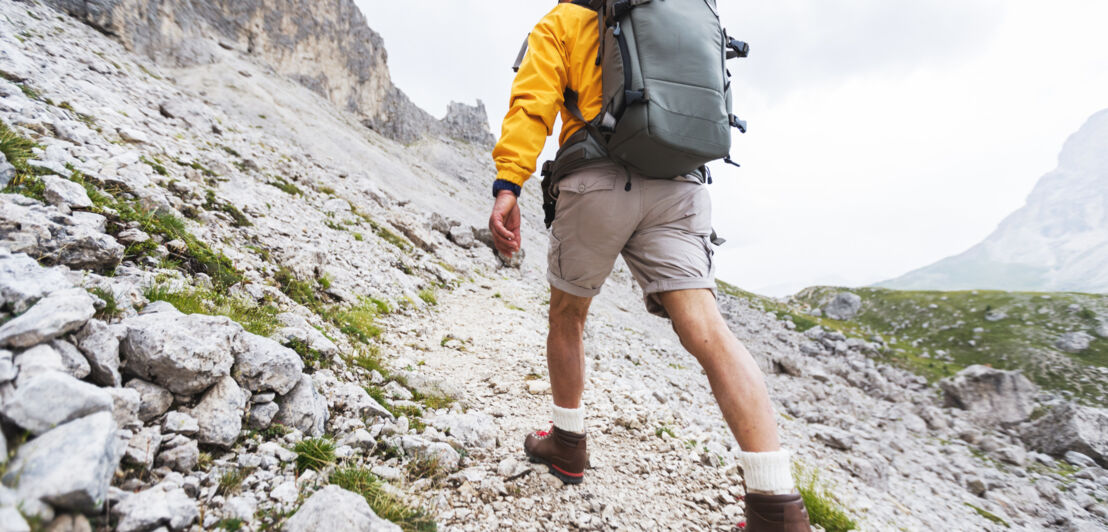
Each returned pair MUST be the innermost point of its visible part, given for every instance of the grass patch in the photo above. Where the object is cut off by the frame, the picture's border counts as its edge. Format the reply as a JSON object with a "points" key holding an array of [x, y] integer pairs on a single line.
{"points": [[155, 165], [212, 203], [257, 319], [314, 453], [17, 149], [311, 357], [300, 291], [823, 509], [428, 296], [989, 515], [230, 482], [424, 467], [664, 430], [111, 308], [361, 481], [274, 431], [284, 185], [232, 524], [358, 321]]}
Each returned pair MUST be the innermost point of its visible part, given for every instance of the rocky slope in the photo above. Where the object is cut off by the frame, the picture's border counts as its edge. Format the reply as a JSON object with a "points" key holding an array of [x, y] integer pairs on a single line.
{"points": [[1057, 242], [228, 304]]}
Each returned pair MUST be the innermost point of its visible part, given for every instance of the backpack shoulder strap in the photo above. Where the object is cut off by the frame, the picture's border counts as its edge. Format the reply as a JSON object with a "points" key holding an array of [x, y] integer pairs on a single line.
{"points": [[522, 54]]}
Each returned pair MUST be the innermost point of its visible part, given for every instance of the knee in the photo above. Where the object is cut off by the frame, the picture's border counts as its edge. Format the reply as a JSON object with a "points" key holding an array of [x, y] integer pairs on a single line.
{"points": [[703, 338], [565, 316]]}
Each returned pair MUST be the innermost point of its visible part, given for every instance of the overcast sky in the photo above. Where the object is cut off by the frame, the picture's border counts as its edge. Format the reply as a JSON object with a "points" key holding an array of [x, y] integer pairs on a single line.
{"points": [[884, 134]]}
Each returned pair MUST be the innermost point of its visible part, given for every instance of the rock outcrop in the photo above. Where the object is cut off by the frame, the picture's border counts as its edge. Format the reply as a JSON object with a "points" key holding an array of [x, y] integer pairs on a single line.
{"points": [[992, 396], [1070, 428], [325, 46]]}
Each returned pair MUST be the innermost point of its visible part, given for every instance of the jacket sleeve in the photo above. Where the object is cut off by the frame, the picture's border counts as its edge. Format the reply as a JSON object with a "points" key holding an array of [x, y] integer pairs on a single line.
{"points": [[537, 98]]}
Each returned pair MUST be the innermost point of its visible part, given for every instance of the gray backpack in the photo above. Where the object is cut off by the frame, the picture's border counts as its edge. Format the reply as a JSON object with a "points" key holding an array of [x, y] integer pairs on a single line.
{"points": [[667, 91]]}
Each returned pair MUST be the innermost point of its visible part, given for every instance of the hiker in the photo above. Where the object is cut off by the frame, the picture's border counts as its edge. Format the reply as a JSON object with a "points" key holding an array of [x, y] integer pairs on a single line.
{"points": [[662, 228]]}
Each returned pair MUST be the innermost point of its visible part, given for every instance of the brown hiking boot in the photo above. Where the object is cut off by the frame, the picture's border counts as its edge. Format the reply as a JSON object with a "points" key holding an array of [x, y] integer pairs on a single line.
{"points": [[562, 451], [775, 513]]}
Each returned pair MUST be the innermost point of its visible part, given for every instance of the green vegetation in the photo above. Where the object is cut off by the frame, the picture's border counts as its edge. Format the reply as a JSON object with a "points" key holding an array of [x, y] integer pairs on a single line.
{"points": [[196, 257], [311, 357], [283, 184], [428, 296], [936, 334], [155, 165], [232, 524], [664, 430], [314, 453], [357, 321], [823, 509], [18, 150], [424, 467], [275, 430], [258, 319], [230, 482], [111, 309], [211, 203], [361, 481], [989, 515]]}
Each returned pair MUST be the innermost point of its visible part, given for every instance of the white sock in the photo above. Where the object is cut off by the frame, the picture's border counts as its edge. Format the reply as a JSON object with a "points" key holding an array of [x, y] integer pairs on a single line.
{"points": [[768, 473], [570, 419]]}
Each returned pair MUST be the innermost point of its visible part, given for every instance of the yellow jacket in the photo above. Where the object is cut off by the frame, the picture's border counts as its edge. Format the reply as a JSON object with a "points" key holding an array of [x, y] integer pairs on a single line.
{"points": [[561, 53]]}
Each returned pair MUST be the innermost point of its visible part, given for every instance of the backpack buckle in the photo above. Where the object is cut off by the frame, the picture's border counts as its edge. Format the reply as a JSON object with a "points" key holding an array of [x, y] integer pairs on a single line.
{"points": [[736, 123], [547, 168], [633, 97]]}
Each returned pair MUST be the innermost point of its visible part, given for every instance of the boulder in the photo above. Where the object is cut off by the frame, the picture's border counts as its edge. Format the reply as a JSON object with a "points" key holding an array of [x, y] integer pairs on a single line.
{"points": [[439, 452], [63, 192], [100, 344], [462, 236], [76, 240], [303, 408], [180, 423], [185, 354], [23, 281], [262, 364], [472, 429], [1070, 427], [70, 466], [261, 415], [219, 413], [992, 396], [153, 399], [52, 316], [348, 397], [54, 398], [1073, 342], [844, 306], [1102, 329], [36, 361], [335, 509], [164, 505]]}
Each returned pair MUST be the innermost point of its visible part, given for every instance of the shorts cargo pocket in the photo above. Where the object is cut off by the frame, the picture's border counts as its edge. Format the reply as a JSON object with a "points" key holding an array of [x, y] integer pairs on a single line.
{"points": [[588, 180], [709, 253], [554, 256]]}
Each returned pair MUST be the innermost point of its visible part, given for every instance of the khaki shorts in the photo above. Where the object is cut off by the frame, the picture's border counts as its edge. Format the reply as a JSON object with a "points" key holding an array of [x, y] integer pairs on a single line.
{"points": [[662, 227]]}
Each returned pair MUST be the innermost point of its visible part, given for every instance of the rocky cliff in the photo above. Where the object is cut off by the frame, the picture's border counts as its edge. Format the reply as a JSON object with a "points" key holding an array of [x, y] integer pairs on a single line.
{"points": [[325, 46], [1057, 242], [226, 304]]}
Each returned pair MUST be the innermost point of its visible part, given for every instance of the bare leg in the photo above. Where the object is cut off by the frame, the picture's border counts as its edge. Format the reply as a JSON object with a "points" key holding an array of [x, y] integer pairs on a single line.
{"points": [[736, 381], [565, 349]]}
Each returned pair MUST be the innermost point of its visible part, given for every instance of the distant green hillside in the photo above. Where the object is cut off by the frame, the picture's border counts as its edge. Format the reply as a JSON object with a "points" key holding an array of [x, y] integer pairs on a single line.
{"points": [[936, 334]]}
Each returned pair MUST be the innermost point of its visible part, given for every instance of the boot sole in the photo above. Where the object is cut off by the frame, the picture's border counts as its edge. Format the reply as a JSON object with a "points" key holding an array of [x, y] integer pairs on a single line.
{"points": [[564, 477]]}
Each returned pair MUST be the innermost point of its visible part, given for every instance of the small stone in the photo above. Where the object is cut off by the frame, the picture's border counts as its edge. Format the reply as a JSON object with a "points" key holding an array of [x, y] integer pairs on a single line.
{"points": [[100, 344], [164, 505], [1073, 342], [153, 400], [181, 423], [143, 447], [261, 415], [125, 405], [538, 387], [219, 413], [262, 364], [132, 135], [181, 458]]}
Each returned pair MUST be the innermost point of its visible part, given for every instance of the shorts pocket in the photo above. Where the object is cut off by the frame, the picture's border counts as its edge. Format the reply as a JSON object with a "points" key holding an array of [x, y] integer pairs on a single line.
{"points": [[589, 180]]}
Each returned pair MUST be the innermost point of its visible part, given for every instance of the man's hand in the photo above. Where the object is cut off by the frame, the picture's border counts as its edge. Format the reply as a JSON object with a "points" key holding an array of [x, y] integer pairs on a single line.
{"points": [[504, 223]]}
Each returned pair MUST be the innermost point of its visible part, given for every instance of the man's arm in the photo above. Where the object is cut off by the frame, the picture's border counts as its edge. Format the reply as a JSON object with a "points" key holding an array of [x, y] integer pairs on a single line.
{"points": [[537, 98]]}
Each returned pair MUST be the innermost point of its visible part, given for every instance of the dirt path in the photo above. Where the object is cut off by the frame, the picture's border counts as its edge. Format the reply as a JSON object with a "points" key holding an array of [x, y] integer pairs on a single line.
{"points": [[489, 338]]}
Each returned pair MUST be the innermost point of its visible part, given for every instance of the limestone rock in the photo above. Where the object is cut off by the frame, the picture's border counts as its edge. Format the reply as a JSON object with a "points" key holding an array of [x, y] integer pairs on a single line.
{"points": [[23, 281], [472, 429], [303, 408], [52, 316], [333, 508], [163, 505], [54, 398], [126, 403], [182, 457], [1073, 342], [181, 423], [153, 399], [70, 466], [262, 364], [143, 447], [73, 361], [7, 171], [100, 344], [60, 191], [261, 415], [844, 306], [1070, 427], [992, 396], [219, 413], [76, 240], [183, 353], [442, 453]]}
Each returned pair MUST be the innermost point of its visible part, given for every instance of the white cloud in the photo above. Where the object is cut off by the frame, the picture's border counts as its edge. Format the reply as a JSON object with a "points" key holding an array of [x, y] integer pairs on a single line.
{"points": [[884, 134]]}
